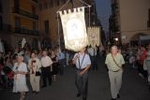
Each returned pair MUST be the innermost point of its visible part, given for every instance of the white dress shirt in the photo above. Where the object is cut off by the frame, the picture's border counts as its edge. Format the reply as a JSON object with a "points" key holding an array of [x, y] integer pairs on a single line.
{"points": [[92, 51], [46, 61], [86, 60]]}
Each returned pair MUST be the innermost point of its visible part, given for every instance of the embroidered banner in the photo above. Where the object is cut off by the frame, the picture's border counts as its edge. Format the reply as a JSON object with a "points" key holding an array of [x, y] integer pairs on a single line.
{"points": [[94, 36], [74, 29]]}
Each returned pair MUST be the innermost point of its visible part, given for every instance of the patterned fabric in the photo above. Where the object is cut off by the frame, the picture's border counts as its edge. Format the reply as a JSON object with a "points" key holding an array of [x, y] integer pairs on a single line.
{"points": [[94, 36], [74, 29]]}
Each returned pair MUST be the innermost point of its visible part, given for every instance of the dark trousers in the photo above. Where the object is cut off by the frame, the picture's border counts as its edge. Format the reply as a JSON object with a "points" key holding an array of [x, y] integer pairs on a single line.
{"points": [[82, 84], [94, 62], [141, 70], [46, 75], [61, 66]]}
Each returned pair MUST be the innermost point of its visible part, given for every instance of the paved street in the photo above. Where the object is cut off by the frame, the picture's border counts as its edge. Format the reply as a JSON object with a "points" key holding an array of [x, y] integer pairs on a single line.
{"points": [[133, 88]]}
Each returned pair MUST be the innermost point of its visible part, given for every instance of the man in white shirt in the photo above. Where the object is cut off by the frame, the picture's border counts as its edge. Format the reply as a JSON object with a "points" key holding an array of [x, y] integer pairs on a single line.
{"points": [[83, 63], [46, 67]]}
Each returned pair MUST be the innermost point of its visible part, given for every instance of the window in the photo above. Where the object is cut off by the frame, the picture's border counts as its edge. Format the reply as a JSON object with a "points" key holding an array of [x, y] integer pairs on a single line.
{"points": [[51, 3], [58, 2], [17, 22], [149, 14], [148, 23], [16, 3], [1, 6], [40, 6], [33, 10], [45, 5], [64, 1], [34, 26], [0, 22], [46, 25]]}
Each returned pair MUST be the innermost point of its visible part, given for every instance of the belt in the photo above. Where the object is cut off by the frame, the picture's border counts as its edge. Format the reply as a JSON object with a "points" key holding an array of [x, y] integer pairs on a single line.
{"points": [[80, 69], [46, 66], [115, 70]]}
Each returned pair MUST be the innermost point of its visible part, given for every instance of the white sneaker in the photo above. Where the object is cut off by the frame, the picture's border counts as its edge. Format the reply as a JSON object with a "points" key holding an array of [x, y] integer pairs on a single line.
{"points": [[141, 75]]}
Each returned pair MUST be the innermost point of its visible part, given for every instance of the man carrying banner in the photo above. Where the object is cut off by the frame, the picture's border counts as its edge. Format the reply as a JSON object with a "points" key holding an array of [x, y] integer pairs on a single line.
{"points": [[83, 63]]}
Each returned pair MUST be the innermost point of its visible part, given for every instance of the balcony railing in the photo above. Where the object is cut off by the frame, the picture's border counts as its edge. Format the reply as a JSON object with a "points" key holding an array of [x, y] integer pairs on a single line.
{"points": [[36, 1], [5, 27], [25, 31], [9, 28], [25, 13]]}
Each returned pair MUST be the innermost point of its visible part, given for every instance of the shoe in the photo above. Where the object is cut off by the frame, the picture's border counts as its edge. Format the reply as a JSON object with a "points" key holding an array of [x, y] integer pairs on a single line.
{"points": [[113, 99], [84, 98], [118, 96], [33, 91], [141, 75], [50, 84], [78, 95], [43, 86]]}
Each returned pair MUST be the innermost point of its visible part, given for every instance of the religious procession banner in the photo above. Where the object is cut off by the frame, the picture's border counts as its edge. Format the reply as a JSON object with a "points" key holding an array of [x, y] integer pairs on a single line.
{"points": [[74, 29], [94, 36]]}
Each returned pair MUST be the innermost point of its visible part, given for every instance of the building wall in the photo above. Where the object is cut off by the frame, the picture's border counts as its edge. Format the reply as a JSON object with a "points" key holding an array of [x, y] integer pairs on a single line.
{"points": [[11, 36], [133, 18]]}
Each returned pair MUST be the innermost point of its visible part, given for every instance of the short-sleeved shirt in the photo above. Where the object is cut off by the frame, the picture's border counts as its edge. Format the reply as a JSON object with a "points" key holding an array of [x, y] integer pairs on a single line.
{"points": [[46, 61], [86, 60], [111, 64]]}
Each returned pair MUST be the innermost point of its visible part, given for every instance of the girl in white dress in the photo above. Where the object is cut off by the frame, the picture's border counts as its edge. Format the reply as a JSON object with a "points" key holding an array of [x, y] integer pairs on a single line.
{"points": [[20, 71]]}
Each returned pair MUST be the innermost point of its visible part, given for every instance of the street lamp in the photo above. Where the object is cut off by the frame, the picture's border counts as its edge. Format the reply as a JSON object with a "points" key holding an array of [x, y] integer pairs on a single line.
{"points": [[116, 39]]}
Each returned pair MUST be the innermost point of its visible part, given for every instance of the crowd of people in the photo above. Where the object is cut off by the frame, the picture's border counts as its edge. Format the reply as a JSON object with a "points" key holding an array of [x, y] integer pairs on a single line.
{"points": [[139, 58], [46, 64], [17, 65]]}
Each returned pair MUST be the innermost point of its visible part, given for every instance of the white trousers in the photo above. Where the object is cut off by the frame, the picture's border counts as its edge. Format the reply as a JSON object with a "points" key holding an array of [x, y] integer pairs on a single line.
{"points": [[35, 82], [115, 82]]}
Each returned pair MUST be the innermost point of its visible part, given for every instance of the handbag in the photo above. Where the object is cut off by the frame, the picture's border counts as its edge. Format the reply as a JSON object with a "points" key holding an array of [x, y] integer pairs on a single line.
{"points": [[37, 73]]}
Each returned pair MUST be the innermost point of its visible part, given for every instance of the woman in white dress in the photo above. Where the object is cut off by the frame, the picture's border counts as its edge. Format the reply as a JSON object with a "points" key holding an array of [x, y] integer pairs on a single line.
{"points": [[20, 71]]}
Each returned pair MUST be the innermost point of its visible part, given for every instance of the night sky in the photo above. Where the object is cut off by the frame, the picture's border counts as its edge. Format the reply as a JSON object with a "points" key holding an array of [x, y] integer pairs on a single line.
{"points": [[104, 11]]}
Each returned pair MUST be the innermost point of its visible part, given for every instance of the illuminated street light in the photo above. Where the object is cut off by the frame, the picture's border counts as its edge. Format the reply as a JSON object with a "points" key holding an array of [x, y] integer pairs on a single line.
{"points": [[116, 39]]}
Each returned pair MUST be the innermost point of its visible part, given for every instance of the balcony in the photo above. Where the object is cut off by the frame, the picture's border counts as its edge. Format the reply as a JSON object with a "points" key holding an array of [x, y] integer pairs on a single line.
{"points": [[5, 27], [25, 31], [9, 28], [148, 24], [36, 1], [25, 13]]}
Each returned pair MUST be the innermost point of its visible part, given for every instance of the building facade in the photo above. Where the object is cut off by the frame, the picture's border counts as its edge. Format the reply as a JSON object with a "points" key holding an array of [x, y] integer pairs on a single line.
{"points": [[36, 20], [19, 19], [129, 19], [49, 19]]}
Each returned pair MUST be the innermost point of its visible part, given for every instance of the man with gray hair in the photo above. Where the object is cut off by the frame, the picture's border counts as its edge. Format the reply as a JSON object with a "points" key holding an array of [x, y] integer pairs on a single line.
{"points": [[114, 62], [83, 63]]}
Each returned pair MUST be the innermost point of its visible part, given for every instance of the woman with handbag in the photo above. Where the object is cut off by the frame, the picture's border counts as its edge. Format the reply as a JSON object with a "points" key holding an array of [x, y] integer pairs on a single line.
{"points": [[34, 65]]}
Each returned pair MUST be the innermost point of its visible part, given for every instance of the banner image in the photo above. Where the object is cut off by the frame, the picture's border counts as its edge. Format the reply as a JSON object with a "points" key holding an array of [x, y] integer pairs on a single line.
{"points": [[74, 29], [94, 36]]}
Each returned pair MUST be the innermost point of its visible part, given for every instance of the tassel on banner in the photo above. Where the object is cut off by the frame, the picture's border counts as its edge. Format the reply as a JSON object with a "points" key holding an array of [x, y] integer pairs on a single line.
{"points": [[69, 11], [74, 10], [80, 9]]}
